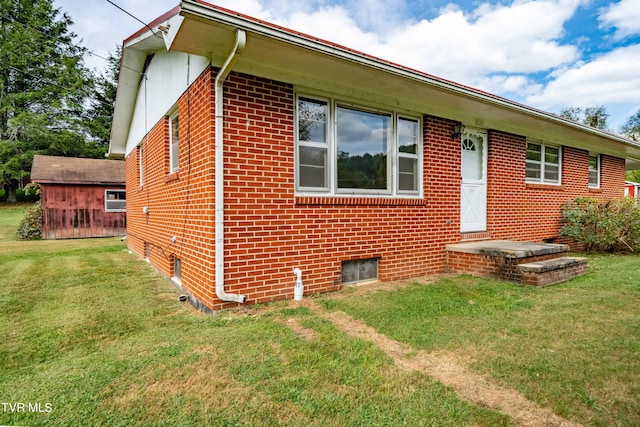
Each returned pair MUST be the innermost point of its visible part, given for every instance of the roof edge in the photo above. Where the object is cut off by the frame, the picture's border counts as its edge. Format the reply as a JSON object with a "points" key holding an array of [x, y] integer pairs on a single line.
{"points": [[70, 182], [216, 13], [149, 27]]}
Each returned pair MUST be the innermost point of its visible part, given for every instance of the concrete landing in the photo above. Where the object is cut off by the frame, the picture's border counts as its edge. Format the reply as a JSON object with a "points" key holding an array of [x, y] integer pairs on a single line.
{"points": [[508, 248]]}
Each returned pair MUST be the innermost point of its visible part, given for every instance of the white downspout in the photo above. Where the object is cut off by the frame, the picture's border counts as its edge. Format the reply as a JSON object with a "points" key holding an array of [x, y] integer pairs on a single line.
{"points": [[241, 39]]}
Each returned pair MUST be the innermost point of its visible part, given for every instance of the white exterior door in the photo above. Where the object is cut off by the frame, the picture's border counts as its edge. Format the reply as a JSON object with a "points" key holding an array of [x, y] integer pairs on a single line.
{"points": [[473, 191]]}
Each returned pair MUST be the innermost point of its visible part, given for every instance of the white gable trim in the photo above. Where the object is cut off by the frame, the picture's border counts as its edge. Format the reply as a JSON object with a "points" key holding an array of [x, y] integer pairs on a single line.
{"points": [[168, 76]]}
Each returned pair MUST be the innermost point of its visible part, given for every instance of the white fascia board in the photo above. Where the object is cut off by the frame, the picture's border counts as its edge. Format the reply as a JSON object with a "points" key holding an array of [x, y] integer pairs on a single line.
{"points": [[134, 53], [204, 12]]}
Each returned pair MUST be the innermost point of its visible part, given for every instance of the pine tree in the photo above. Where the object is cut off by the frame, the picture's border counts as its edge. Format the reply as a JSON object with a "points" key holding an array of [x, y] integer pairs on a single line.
{"points": [[100, 112], [43, 88]]}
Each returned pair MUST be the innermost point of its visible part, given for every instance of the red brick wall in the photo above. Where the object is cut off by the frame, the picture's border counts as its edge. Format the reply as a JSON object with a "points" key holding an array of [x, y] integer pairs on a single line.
{"points": [[520, 211], [270, 231], [180, 204]]}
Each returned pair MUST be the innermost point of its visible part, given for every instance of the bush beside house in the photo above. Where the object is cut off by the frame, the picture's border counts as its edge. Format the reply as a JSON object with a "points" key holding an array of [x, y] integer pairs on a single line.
{"points": [[602, 226]]}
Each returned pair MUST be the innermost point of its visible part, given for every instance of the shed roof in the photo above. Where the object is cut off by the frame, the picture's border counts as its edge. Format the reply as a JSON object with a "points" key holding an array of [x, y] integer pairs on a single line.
{"points": [[73, 170]]}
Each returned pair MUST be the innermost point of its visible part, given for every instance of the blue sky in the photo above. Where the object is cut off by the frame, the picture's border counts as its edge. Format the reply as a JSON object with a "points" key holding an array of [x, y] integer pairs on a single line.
{"points": [[547, 54]]}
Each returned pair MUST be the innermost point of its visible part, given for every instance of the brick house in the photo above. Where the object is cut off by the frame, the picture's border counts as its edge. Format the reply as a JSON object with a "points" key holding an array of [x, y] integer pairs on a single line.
{"points": [[252, 150], [80, 198]]}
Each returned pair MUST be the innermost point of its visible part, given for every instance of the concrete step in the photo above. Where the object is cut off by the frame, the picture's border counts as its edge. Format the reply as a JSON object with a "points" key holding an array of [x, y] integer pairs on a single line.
{"points": [[552, 271]]}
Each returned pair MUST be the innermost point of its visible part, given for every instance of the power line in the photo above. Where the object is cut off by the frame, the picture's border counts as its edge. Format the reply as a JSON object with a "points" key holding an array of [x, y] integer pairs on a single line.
{"points": [[136, 18], [70, 44]]}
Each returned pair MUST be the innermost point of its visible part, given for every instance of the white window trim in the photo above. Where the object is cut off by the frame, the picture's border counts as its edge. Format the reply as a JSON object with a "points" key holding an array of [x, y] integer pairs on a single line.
{"points": [[542, 164], [398, 154], [392, 153], [173, 167], [598, 169], [106, 209], [312, 144]]}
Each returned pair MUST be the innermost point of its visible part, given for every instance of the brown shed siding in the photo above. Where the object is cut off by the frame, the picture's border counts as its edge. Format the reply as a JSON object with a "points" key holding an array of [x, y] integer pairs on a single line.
{"points": [[77, 211]]}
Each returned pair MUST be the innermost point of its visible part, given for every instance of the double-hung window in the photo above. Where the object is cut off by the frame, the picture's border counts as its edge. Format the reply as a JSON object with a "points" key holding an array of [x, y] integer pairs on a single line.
{"points": [[594, 170], [409, 135], [174, 163], [543, 163], [313, 144], [344, 149]]}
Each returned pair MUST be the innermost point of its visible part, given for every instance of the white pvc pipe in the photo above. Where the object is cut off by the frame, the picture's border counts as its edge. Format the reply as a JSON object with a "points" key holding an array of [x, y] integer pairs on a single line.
{"points": [[241, 39], [298, 290]]}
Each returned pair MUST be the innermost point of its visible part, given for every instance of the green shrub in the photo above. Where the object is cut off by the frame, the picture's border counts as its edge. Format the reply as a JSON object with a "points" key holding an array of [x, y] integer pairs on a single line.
{"points": [[602, 226], [25, 196], [30, 227]]}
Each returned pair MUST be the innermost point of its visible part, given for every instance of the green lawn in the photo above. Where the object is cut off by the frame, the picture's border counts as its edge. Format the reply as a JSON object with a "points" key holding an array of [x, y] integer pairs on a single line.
{"points": [[10, 216], [94, 336], [573, 347]]}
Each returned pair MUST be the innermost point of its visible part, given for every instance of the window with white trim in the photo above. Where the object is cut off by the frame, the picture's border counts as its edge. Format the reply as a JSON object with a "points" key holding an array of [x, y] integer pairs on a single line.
{"points": [[174, 159], [543, 163], [115, 200], [409, 153], [594, 170], [354, 150]]}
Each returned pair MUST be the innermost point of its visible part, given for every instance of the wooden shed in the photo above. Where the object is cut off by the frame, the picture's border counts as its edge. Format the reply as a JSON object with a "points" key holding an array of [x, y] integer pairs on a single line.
{"points": [[80, 197]]}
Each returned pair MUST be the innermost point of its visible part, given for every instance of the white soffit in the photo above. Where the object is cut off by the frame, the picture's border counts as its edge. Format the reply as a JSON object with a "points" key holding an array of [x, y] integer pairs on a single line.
{"points": [[306, 62]]}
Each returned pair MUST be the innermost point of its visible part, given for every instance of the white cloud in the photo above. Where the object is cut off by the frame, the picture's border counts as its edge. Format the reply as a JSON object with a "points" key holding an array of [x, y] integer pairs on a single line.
{"points": [[249, 7], [463, 47], [612, 78], [332, 24], [624, 16], [514, 86], [102, 27], [503, 48]]}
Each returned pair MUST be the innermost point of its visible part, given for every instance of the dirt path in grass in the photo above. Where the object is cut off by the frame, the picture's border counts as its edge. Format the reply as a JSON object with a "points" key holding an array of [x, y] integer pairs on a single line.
{"points": [[446, 368]]}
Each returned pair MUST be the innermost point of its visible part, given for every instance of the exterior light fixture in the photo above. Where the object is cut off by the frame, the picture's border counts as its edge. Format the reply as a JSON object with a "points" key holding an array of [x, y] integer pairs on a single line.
{"points": [[457, 131]]}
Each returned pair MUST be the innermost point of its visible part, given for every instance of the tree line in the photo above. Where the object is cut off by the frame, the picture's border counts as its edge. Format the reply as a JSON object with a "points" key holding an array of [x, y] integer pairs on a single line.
{"points": [[51, 103]]}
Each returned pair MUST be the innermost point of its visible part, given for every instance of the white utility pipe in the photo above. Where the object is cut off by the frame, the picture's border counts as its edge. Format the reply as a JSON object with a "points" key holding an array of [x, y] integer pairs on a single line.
{"points": [[241, 39], [298, 290]]}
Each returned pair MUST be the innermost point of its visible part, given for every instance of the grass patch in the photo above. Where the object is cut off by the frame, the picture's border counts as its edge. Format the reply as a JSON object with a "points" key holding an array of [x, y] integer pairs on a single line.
{"points": [[10, 216], [572, 347], [95, 333], [90, 330]]}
